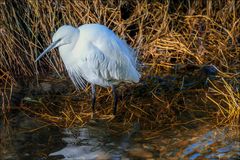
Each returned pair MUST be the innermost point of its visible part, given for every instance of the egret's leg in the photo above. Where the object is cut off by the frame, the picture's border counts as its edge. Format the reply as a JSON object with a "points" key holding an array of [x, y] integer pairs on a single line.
{"points": [[93, 97], [115, 96]]}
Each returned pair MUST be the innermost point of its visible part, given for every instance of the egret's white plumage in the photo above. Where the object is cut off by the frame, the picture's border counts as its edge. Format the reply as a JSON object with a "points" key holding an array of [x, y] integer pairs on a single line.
{"points": [[94, 53]]}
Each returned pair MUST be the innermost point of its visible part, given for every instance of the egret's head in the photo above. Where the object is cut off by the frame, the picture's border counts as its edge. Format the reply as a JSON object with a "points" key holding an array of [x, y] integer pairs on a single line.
{"points": [[65, 35]]}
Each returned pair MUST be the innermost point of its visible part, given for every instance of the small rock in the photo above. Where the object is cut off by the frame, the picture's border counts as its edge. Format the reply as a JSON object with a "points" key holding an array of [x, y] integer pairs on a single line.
{"points": [[103, 155], [139, 153], [210, 70], [46, 87]]}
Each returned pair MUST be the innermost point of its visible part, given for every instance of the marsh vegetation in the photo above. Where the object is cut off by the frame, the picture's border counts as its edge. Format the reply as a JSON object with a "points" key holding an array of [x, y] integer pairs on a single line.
{"points": [[189, 54]]}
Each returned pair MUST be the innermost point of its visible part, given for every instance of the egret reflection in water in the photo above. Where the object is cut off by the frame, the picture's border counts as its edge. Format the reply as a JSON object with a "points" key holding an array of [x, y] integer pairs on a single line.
{"points": [[100, 142], [95, 142]]}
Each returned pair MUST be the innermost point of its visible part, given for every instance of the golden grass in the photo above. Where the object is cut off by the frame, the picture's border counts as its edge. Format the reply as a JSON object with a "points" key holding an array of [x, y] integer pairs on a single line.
{"points": [[228, 103], [7, 83], [174, 41]]}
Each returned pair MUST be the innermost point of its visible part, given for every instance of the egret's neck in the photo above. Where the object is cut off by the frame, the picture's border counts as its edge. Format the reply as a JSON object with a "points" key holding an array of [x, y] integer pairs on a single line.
{"points": [[66, 50]]}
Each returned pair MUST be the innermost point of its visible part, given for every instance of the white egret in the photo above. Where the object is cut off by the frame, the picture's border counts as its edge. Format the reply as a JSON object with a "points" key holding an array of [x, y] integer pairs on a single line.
{"points": [[93, 53]]}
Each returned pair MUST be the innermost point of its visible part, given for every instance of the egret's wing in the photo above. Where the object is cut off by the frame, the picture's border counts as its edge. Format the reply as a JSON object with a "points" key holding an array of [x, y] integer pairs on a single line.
{"points": [[107, 42], [121, 58], [115, 48], [115, 67], [107, 56]]}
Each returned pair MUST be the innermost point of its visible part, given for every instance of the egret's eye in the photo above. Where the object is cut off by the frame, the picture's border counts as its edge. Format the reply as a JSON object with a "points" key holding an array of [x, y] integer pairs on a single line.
{"points": [[59, 40]]}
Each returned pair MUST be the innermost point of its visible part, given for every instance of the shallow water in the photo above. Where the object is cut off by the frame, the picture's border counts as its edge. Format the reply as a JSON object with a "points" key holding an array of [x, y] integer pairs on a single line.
{"points": [[28, 139]]}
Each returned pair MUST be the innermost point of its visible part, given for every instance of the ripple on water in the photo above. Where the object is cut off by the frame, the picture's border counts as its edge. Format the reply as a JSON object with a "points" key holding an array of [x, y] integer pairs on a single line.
{"points": [[102, 141]]}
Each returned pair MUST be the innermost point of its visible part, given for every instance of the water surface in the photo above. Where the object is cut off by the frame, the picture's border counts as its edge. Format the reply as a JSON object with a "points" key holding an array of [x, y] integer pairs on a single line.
{"points": [[27, 139]]}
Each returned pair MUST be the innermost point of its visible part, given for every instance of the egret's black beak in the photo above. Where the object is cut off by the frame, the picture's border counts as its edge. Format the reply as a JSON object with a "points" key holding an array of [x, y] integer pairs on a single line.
{"points": [[50, 47]]}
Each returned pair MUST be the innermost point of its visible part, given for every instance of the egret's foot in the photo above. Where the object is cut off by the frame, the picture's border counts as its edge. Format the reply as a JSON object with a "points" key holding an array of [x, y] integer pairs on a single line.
{"points": [[115, 101], [93, 97], [93, 115]]}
